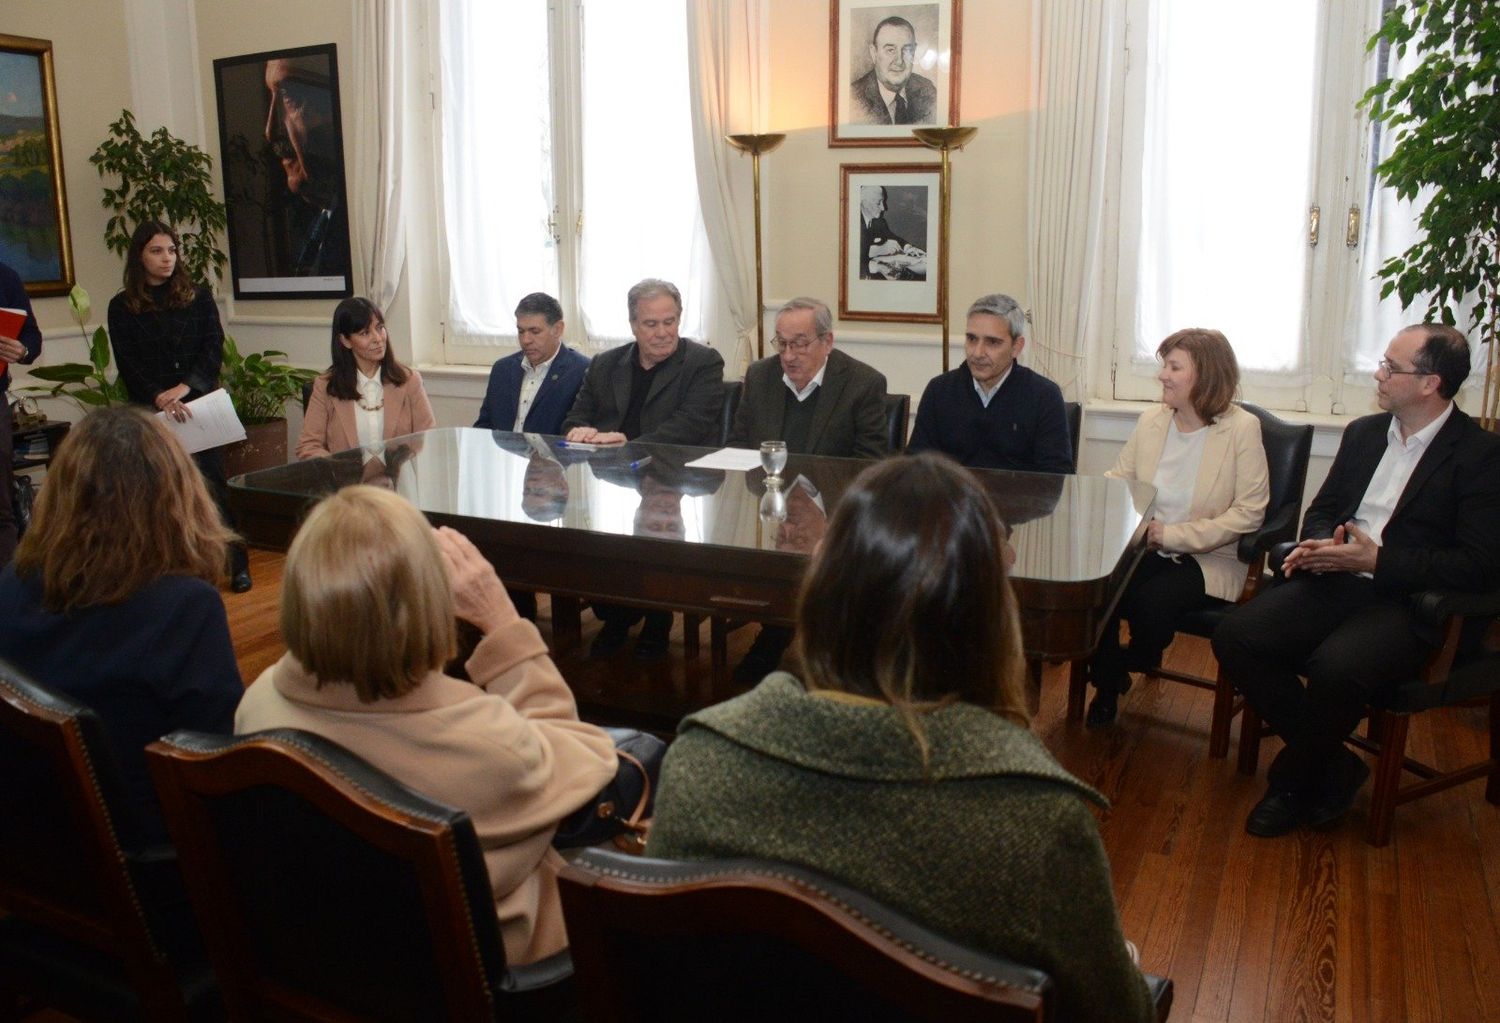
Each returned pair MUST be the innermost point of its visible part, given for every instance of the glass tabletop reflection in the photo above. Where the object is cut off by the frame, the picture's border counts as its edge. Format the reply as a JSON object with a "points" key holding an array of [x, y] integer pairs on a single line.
{"points": [[1064, 528]]}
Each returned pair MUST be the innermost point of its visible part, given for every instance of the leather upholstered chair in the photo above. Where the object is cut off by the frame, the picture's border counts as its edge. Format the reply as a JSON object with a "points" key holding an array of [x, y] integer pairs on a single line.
{"points": [[328, 890], [1074, 411], [1457, 674], [660, 939], [897, 412], [1288, 448], [733, 389], [90, 926]]}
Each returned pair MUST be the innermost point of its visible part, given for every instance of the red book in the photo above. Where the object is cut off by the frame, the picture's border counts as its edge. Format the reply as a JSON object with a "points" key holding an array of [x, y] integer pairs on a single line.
{"points": [[11, 322]]}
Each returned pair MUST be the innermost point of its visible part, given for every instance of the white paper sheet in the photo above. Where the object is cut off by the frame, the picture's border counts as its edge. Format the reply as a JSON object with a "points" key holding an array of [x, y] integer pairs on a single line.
{"points": [[214, 423], [740, 459]]}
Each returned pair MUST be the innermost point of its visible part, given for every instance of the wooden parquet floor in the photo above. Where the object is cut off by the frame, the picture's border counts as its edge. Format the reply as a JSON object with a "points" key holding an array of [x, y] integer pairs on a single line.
{"points": [[1315, 926]]}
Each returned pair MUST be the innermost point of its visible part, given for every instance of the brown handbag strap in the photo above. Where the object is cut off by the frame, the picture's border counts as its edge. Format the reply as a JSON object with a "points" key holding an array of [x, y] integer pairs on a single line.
{"points": [[633, 838]]}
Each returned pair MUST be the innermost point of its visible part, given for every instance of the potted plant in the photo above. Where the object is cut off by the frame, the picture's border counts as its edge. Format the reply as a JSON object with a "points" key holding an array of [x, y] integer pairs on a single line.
{"points": [[1446, 120], [88, 383], [162, 178], [260, 385]]}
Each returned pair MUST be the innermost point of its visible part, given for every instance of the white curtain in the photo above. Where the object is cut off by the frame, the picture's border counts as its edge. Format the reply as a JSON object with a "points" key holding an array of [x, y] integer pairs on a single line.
{"points": [[1072, 44], [377, 220], [724, 63]]}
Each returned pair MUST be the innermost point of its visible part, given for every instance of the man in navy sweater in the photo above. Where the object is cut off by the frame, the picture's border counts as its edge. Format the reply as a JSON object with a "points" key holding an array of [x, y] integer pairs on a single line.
{"points": [[991, 412], [23, 348]]}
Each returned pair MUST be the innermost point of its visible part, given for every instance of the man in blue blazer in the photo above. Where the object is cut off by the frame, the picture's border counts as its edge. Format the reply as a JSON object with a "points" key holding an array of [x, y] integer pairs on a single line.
{"points": [[1411, 503], [992, 412], [532, 390]]}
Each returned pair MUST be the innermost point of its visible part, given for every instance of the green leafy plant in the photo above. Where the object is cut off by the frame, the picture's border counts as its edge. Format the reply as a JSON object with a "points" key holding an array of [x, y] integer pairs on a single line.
{"points": [[1445, 116], [162, 178], [88, 383], [258, 386]]}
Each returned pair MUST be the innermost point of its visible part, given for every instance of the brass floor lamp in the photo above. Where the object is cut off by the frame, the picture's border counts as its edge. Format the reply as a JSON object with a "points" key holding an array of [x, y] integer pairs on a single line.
{"points": [[756, 145], [943, 140]]}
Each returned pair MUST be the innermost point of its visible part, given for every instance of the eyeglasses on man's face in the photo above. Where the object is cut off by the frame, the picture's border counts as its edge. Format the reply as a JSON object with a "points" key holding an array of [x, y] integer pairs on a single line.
{"points": [[1390, 369], [794, 345]]}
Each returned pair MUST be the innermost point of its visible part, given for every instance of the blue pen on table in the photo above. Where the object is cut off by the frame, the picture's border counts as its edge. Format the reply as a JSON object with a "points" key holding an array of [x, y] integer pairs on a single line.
{"points": [[640, 463], [577, 444]]}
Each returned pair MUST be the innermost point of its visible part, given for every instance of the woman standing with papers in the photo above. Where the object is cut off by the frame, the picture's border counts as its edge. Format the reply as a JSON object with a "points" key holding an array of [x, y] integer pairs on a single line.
{"points": [[168, 343]]}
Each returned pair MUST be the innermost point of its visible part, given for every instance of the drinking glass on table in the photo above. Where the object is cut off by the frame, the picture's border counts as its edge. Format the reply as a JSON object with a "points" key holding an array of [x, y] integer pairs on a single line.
{"points": [[773, 459]]}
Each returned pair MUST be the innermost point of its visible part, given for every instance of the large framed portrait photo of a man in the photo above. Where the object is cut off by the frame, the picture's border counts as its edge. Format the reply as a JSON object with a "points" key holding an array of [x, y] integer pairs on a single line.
{"points": [[281, 146], [892, 67]]}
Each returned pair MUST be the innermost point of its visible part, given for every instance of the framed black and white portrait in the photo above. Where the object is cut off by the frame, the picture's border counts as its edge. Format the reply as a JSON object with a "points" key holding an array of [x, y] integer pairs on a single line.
{"points": [[281, 145], [888, 244], [892, 67]]}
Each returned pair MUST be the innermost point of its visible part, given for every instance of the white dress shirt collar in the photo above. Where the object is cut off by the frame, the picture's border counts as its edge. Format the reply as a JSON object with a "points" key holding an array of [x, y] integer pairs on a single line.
{"points": [[812, 384], [986, 396]]}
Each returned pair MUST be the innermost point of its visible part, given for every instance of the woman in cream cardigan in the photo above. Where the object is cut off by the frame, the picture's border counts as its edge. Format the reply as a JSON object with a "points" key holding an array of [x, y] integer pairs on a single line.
{"points": [[1204, 456], [507, 747], [366, 396]]}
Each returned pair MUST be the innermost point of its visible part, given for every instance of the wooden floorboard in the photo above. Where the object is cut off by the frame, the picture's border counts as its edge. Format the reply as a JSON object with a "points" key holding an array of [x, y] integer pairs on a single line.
{"points": [[1315, 926]]}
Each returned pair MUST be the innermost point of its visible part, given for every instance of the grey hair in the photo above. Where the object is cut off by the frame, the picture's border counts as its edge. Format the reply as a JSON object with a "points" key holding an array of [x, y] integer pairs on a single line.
{"points": [[650, 288], [822, 318], [1004, 307]]}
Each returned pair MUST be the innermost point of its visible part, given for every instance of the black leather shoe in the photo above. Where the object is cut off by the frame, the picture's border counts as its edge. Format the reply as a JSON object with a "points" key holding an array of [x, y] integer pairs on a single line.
{"points": [[1102, 709], [652, 644], [1345, 780], [610, 640], [240, 581], [1277, 814]]}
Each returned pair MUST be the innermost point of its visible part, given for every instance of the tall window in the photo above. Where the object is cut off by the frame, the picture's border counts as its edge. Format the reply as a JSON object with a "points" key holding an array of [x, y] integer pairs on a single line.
{"points": [[567, 165], [1247, 197]]}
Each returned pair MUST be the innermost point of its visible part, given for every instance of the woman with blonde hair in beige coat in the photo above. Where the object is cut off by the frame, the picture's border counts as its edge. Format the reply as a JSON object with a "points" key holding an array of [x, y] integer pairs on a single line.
{"points": [[367, 611], [1204, 456]]}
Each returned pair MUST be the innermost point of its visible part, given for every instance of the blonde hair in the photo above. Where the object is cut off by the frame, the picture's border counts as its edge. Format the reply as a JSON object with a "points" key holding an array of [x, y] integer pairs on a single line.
{"points": [[365, 598], [123, 506]]}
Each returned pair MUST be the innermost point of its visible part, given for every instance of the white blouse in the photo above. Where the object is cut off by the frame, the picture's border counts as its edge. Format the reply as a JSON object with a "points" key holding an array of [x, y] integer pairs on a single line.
{"points": [[369, 410], [1177, 473]]}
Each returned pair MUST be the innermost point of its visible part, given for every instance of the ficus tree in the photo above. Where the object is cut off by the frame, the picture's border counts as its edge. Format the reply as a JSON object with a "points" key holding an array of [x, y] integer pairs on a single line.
{"points": [[163, 178], [1444, 115]]}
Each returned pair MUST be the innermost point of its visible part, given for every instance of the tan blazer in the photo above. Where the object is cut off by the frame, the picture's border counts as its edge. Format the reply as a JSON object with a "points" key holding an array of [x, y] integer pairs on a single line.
{"points": [[513, 754], [1229, 499], [328, 425]]}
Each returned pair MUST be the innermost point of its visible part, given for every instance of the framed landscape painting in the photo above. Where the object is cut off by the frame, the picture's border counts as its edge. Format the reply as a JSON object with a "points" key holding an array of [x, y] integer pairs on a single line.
{"points": [[34, 238]]}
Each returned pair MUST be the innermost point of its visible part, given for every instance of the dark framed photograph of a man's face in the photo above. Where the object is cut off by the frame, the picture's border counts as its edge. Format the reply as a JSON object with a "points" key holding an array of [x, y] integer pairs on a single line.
{"points": [[892, 67], [281, 145], [888, 241]]}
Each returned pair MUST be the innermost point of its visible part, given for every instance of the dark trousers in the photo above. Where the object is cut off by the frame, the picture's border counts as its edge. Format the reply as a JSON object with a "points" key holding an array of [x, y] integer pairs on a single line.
{"points": [[659, 621], [1160, 593], [211, 466], [7, 487], [1351, 641]]}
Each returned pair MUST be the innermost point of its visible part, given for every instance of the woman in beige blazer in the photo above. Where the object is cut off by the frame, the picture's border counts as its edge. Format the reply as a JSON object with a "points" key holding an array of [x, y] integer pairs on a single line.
{"points": [[1204, 456], [366, 396], [507, 747]]}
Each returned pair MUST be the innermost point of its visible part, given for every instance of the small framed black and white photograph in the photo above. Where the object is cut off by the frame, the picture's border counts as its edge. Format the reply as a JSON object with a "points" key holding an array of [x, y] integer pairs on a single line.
{"points": [[892, 67], [281, 146], [888, 242]]}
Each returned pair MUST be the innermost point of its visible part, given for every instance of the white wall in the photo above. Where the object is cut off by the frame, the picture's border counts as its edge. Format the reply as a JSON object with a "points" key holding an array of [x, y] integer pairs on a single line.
{"points": [[173, 44]]}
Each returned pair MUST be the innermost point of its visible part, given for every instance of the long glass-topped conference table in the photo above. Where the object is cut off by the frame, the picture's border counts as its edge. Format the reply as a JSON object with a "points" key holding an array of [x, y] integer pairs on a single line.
{"points": [[634, 524]]}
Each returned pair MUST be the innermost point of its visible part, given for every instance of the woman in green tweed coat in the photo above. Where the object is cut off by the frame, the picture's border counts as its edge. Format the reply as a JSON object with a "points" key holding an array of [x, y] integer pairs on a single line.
{"points": [[901, 764]]}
